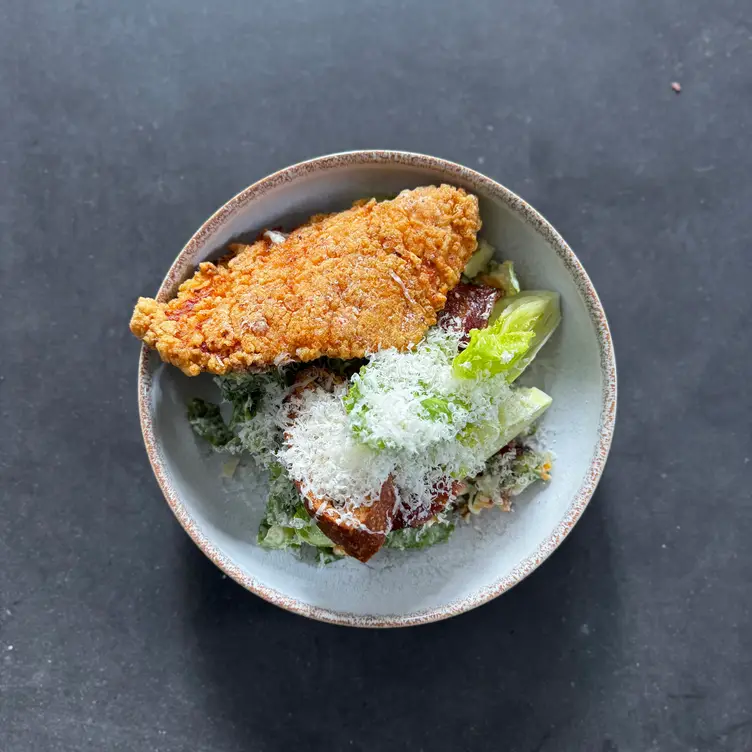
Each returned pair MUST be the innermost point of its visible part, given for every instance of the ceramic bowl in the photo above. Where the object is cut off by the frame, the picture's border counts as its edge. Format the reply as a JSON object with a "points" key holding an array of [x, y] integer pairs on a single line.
{"points": [[482, 560]]}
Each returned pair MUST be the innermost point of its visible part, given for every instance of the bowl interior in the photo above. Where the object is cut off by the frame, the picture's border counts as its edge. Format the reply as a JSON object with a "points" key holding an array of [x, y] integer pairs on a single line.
{"points": [[482, 558]]}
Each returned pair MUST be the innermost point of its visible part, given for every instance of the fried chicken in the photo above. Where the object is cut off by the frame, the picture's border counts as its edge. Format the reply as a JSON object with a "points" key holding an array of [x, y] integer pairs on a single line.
{"points": [[342, 285]]}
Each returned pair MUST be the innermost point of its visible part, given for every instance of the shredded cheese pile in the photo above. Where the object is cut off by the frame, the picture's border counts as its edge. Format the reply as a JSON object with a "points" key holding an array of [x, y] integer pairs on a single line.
{"points": [[321, 453], [402, 417]]}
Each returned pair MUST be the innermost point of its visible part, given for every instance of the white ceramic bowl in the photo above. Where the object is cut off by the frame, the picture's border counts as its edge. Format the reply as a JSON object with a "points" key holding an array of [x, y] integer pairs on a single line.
{"points": [[481, 561]]}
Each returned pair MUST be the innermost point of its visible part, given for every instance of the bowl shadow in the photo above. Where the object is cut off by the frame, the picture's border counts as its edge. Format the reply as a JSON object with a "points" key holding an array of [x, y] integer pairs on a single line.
{"points": [[516, 674]]}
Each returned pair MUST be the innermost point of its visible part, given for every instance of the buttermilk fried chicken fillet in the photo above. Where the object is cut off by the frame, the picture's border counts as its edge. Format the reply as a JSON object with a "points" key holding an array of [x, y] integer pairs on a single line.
{"points": [[343, 285]]}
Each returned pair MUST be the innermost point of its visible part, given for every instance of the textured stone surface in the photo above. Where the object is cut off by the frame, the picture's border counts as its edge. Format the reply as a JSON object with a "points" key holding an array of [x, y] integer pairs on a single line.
{"points": [[125, 125]]}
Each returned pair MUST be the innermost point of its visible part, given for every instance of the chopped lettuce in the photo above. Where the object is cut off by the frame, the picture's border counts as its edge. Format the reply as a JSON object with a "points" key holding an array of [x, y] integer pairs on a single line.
{"points": [[500, 276], [256, 400], [207, 423], [516, 415], [286, 522], [483, 270], [283, 501], [419, 537], [243, 392], [479, 260], [326, 556], [528, 467], [507, 474], [519, 327], [247, 392]]}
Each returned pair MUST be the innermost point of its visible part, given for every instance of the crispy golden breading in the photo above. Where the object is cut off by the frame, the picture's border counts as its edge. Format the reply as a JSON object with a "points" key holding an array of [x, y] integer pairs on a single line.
{"points": [[341, 286]]}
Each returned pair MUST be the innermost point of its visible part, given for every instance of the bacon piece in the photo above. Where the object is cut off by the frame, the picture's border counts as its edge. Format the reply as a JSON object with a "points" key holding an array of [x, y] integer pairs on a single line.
{"points": [[419, 517], [467, 307]]}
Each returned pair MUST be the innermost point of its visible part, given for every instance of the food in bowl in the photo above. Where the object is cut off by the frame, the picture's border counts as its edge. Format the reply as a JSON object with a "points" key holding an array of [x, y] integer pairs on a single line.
{"points": [[369, 359], [340, 286]]}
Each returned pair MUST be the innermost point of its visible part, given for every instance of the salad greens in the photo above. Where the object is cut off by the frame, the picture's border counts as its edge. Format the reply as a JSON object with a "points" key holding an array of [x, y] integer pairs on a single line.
{"points": [[256, 399], [480, 259], [501, 276], [207, 423], [414, 402], [507, 474], [243, 392], [407, 400], [286, 522], [515, 416], [519, 326], [419, 537]]}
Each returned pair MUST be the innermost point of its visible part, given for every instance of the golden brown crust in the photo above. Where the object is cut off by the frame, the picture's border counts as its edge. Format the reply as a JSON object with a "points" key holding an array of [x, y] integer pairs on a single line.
{"points": [[361, 539], [341, 286]]}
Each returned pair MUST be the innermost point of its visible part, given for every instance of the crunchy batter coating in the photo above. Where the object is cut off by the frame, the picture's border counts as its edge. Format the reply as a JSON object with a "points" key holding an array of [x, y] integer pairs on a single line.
{"points": [[341, 286]]}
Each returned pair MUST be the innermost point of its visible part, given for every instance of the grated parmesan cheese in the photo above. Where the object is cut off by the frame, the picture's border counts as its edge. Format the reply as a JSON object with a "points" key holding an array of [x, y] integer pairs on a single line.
{"points": [[259, 434], [403, 416], [321, 453]]}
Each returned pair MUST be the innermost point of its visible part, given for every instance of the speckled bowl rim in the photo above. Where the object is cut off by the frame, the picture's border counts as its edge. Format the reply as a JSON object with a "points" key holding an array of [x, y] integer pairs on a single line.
{"points": [[484, 185]]}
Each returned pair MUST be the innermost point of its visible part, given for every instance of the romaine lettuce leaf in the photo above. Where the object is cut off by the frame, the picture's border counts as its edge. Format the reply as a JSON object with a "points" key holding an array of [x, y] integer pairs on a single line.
{"points": [[255, 400], [326, 556], [479, 260], [506, 475], [207, 423], [286, 523], [246, 392], [518, 328], [501, 276], [516, 414], [419, 537]]}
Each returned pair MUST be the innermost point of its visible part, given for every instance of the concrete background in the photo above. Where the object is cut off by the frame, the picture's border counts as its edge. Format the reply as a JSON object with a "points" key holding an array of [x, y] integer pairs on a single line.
{"points": [[124, 125]]}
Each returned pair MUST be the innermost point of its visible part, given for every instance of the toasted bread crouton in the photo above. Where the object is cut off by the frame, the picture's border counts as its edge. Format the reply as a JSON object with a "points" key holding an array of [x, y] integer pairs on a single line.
{"points": [[361, 533]]}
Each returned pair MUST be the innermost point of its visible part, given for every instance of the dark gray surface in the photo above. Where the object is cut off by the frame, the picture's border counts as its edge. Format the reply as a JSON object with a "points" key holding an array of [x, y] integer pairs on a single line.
{"points": [[124, 127]]}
